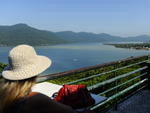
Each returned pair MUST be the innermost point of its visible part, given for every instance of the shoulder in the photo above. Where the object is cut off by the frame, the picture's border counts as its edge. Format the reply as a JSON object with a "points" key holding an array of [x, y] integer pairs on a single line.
{"points": [[40, 103]]}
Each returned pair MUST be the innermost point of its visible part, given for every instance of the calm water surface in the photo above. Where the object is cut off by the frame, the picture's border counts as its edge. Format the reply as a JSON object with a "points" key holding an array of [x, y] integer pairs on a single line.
{"points": [[73, 56]]}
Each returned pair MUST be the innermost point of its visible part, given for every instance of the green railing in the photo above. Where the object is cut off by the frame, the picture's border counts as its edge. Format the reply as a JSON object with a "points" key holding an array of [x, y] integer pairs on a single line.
{"points": [[118, 94], [92, 76], [115, 80]]}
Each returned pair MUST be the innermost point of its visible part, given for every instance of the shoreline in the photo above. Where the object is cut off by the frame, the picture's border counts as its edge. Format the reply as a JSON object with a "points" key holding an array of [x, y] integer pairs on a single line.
{"points": [[132, 46]]}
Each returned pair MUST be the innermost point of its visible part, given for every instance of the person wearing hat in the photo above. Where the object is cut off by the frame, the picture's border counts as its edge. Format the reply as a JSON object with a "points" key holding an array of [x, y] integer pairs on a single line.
{"points": [[19, 77]]}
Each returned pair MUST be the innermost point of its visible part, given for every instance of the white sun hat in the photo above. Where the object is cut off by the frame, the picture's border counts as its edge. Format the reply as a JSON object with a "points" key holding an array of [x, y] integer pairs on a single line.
{"points": [[24, 63]]}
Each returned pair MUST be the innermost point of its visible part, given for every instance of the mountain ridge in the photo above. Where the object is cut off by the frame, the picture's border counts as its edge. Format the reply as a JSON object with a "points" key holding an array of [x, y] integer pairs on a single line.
{"points": [[24, 34]]}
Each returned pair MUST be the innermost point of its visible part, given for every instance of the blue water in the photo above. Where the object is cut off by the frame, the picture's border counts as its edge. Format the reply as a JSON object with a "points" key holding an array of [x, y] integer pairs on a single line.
{"points": [[73, 56]]}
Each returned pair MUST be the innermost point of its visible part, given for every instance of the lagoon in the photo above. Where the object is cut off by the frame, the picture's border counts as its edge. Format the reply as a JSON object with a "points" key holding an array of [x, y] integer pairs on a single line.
{"points": [[72, 56]]}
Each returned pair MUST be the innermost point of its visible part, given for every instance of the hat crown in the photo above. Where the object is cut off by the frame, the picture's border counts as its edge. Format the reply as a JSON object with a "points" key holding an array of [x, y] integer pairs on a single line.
{"points": [[24, 63], [21, 55]]}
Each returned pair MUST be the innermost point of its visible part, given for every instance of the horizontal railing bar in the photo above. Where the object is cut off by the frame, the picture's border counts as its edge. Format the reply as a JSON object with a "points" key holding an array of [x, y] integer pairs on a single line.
{"points": [[86, 78], [119, 94], [125, 98], [114, 79], [122, 84], [144, 86]]}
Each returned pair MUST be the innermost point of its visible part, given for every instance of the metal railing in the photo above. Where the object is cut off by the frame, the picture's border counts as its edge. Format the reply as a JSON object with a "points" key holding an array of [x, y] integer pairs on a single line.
{"points": [[86, 78], [123, 84], [123, 78]]}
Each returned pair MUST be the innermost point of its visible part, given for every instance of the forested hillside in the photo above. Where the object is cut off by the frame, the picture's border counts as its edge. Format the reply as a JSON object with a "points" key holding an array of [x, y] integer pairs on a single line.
{"points": [[24, 34]]}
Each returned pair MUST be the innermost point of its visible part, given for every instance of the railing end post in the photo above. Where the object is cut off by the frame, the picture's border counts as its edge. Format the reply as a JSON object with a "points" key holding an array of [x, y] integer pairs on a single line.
{"points": [[148, 73]]}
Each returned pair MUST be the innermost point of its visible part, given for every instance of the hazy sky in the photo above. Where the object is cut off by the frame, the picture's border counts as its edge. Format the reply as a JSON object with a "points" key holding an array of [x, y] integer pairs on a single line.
{"points": [[116, 17]]}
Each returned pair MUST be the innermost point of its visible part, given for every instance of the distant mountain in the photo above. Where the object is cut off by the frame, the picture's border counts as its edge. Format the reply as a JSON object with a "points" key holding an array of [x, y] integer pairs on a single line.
{"points": [[78, 37], [141, 38], [102, 37], [24, 34], [87, 37]]}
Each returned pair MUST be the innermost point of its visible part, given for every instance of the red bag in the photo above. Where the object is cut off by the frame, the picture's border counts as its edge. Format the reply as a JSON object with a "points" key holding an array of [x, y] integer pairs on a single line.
{"points": [[76, 96]]}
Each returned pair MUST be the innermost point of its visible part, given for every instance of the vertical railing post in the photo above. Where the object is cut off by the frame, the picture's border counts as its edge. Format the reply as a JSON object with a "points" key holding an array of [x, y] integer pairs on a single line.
{"points": [[148, 71], [116, 103]]}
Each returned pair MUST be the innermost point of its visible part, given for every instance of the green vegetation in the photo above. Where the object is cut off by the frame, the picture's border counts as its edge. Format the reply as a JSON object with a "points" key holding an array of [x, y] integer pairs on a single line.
{"points": [[2, 66], [101, 78], [63, 80], [145, 46], [95, 80], [23, 34]]}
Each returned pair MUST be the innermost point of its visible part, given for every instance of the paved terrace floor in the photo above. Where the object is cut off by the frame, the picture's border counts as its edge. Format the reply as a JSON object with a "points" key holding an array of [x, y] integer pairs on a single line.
{"points": [[138, 103]]}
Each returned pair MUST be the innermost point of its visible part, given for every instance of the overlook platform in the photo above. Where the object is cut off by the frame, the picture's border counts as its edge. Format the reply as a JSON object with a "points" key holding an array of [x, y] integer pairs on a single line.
{"points": [[138, 103]]}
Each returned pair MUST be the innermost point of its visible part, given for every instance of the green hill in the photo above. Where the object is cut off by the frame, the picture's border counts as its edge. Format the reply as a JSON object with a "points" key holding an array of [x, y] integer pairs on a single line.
{"points": [[87, 37], [24, 34]]}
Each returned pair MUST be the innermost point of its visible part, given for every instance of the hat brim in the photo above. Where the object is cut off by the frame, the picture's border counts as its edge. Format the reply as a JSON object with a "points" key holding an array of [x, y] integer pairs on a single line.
{"points": [[31, 70]]}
